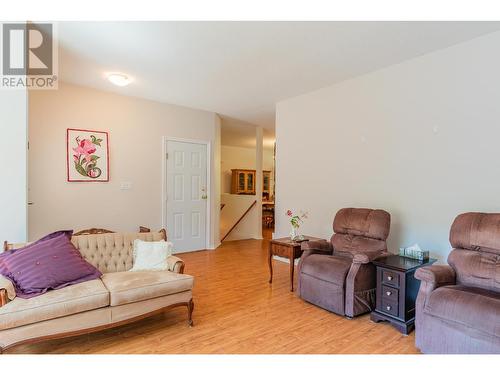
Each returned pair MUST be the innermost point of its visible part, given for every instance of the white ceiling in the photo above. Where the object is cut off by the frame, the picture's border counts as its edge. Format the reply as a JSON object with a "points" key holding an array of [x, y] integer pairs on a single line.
{"points": [[242, 134], [241, 69]]}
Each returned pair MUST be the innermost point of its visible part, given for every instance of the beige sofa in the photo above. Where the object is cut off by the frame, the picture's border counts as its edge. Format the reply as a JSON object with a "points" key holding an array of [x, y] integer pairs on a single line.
{"points": [[118, 298]]}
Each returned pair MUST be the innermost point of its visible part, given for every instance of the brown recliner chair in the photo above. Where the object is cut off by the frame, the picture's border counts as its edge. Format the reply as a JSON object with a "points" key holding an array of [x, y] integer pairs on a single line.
{"points": [[458, 305], [338, 275]]}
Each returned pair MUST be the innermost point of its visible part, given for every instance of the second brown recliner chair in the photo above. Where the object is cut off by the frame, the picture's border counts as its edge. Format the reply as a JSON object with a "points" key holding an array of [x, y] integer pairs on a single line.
{"points": [[338, 275]]}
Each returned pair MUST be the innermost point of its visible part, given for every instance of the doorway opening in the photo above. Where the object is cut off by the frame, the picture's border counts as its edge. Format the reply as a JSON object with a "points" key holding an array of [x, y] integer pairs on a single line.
{"points": [[243, 215]]}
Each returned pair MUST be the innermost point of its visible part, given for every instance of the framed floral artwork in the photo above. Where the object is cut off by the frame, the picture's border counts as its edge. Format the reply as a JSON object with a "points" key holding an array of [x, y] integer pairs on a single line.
{"points": [[87, 155]]}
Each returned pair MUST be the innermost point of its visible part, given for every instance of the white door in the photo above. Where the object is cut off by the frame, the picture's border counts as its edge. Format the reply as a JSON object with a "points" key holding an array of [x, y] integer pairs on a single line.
{"points": [[187, 195]]}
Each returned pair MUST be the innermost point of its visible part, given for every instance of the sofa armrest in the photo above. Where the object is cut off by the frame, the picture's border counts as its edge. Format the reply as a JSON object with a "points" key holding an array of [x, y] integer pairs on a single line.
{"points": [[10, 246], [436, 275], [175, 264], [7, 291], [3, 297]]}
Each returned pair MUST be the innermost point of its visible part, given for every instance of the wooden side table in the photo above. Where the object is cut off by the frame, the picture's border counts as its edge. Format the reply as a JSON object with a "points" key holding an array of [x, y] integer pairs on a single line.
{"points": [[397, 291], [286, 248]]}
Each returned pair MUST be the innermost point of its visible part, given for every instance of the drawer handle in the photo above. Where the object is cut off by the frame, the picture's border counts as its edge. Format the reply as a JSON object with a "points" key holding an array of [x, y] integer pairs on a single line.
{"points": [[388, 308], [389, 278], [388, 293]]}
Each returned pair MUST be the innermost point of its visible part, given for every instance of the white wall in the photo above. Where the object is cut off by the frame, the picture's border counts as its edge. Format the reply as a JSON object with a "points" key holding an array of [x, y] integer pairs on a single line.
{"points": [[241, 158], [420, 139], [235, 207], [13, 184], [215, 185], [136, 128]]}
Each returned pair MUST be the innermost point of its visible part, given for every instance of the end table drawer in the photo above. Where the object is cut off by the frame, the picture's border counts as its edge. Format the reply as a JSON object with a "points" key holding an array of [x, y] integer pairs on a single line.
{"points": [[390, 307], [281, 251], [389, 293], [390, 278]]}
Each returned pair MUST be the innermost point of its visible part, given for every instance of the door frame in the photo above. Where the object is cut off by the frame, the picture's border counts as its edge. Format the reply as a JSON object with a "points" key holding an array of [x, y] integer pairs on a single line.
{"points": [[164, 192]]}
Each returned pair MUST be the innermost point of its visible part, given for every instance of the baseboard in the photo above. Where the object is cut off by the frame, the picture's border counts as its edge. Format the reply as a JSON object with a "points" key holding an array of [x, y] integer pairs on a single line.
{"points": [[285, 260]]}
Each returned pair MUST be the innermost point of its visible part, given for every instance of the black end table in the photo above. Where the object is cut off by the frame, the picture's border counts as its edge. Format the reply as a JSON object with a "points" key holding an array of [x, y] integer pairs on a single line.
{"points": [[397, 291]]}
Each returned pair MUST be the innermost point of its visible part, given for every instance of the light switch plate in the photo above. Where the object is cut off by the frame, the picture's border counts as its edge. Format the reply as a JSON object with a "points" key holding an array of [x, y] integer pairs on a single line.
{"points": [[125, 185]]}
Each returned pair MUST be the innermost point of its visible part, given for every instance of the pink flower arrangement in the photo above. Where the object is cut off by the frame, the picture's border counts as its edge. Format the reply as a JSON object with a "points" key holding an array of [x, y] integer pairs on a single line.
{"points": [[85, 148], [295, 220], [84, 156]]}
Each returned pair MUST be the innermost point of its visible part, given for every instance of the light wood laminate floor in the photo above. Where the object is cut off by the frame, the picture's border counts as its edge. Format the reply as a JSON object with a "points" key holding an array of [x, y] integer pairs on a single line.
{"points": [[238, 311]]}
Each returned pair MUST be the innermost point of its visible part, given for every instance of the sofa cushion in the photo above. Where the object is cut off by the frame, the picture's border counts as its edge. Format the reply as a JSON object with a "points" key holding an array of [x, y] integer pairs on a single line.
{"points": [[53, 304], [472, 307], [50, 264], [151, 255], [111, 252], [126, 287], [332, 269]]}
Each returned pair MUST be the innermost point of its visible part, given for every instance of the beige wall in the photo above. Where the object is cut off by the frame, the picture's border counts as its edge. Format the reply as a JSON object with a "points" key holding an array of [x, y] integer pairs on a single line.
{"points": [[13, 146], [243, 158], [235, 207], [136, 128], [420, 139]]}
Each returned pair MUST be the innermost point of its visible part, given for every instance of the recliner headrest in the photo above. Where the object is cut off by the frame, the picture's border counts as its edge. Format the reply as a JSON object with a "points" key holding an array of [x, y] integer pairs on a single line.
{"points": [[476, 231], [363, 222]]}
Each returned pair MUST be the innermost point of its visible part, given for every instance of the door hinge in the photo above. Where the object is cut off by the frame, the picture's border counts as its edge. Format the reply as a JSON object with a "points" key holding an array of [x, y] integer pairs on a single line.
{"points": [[166, 155]]}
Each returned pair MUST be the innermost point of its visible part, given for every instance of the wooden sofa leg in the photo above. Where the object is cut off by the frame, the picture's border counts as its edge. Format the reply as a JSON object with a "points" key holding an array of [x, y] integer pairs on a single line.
{"points": [[190, 307]]}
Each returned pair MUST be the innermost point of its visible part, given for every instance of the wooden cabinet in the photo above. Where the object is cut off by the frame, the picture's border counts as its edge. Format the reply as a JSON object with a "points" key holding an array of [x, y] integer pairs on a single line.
{"points": [[243, 182]]}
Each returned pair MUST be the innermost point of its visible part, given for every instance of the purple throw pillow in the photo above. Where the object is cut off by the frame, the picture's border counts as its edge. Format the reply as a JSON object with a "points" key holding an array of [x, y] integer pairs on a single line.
{"points": [[50, 264], [68, 233]]}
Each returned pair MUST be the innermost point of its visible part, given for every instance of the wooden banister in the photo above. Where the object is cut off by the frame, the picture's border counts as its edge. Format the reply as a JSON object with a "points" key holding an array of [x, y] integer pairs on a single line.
{"points": [[238, 221]]}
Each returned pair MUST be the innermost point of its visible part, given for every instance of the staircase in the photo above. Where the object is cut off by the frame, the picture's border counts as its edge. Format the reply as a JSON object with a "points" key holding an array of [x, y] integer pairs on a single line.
{"points": [[238, 218]]}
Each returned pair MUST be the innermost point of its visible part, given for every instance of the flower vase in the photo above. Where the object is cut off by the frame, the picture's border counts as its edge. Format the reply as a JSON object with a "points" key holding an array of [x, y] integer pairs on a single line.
{"points": [[294, 234]]}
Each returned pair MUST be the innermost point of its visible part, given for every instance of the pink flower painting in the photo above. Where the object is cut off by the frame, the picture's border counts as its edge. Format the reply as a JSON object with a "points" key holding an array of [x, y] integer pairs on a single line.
{"points": [[87, 155]]}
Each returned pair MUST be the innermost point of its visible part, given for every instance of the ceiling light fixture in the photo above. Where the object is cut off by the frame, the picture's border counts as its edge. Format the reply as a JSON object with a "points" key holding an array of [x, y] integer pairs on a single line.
{"points": [[119, 79]]}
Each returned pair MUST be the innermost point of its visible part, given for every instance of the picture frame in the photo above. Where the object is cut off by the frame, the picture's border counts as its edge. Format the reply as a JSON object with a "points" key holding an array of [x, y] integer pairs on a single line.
{"points": [[87, 155]]}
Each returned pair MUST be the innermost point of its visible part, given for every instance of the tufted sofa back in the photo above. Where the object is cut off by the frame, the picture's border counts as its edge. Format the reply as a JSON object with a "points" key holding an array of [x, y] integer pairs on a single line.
{"points": [[475, 238], [112, 252], [360, 229]]}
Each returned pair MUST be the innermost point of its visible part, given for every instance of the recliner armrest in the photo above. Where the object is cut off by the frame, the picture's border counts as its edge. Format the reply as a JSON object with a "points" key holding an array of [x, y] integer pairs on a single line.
{"points": [[368, 256], [175, 264], [436, 275], [322, 247], [318, 245], [431, 277]]}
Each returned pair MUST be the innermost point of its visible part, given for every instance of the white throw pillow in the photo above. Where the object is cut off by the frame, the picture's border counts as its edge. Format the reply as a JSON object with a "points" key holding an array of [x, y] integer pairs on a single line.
{"points": [[151, 256]]}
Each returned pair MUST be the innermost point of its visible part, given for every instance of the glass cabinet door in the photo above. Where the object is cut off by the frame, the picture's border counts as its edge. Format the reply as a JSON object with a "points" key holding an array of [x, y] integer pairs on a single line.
{"points": [[241, 182], [265, 183], [250, 179]]}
